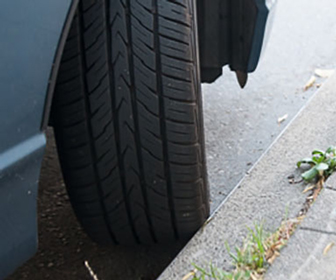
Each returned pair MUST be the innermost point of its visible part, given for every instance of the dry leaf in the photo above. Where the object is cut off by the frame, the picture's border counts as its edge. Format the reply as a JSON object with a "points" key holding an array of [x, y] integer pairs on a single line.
{"points": [[317, 191], [328, 247], [310, 83], [309, 189], [301, 218], [189, 275], [256, 276], [324, 73], [272, 259], [282, 119]]}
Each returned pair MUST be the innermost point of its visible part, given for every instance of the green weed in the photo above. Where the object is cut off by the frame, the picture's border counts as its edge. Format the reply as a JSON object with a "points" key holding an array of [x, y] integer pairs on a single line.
{"points": [[322, 164]]}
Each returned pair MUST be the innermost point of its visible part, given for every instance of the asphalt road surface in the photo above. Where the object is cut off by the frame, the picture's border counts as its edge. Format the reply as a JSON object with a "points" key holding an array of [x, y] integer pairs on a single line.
{"points": [[240, 126]]}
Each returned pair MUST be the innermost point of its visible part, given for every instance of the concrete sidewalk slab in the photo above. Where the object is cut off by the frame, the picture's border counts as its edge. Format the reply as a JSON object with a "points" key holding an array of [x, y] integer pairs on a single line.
{"points": [[303, 257], [264, 194]]}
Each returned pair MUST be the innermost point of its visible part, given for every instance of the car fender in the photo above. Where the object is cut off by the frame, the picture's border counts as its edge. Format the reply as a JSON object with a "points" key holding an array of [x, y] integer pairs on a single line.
{"points": [[32, 36]]}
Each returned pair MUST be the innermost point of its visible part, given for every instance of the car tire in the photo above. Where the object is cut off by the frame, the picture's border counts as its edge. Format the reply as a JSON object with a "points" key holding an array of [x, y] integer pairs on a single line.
{"points": [[127, 115]]}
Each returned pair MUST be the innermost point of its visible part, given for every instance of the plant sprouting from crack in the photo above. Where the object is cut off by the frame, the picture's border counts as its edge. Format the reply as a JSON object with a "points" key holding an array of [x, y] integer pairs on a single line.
{"points": [[322, 164], [261, 249], [249, 261]]}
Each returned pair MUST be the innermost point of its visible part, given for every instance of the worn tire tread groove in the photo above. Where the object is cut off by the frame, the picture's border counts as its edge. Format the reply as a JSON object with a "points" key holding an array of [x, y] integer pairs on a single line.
{"points": [[89, 127], [163, 128], [116, 127]]}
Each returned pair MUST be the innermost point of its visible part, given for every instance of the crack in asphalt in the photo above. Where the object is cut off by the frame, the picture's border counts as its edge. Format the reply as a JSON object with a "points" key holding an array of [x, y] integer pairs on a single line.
{"points": [[318, 231], [330, 188]]}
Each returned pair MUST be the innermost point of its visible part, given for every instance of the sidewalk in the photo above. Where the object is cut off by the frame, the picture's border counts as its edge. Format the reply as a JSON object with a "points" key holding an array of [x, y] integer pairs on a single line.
{"points": [[265, 194], [304, 257]]}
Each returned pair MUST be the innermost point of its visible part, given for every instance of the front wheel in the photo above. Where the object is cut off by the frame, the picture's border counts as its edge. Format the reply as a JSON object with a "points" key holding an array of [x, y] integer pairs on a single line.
{"points": [[127, 115]]}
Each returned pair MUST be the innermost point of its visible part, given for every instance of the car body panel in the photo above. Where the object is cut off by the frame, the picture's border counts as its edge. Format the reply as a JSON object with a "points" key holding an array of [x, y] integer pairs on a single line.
{"points": [[30, 32], [262, 28], [20, 169]]}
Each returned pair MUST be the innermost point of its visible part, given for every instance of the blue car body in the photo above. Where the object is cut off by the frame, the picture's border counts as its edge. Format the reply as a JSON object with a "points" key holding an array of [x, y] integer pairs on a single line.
{"points": [[33, 35], [30, 33]]}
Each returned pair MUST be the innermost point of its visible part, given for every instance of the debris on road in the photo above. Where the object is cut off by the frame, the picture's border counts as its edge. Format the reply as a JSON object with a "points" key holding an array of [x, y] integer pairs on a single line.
{"points": [[324, 73], [282, 119], [320, 73], [310, 83], [93, 275], [328, 248], [190, 275]]}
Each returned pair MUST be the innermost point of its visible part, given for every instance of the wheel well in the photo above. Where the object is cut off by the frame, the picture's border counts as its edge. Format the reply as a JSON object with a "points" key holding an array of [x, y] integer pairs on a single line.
{"points": [[47, 118]]}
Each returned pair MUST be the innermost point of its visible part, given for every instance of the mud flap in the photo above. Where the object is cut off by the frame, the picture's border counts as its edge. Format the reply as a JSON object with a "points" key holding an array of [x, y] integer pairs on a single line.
{"points": [[231, 32]]}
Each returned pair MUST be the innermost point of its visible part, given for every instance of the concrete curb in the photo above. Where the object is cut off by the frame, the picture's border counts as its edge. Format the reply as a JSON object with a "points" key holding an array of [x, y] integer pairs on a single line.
{"points": [[303, 257], [264, 194]]}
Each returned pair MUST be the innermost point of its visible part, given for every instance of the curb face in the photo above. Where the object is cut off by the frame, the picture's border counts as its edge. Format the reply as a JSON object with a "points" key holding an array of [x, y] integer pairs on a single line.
{"points": [[264, 194]]}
